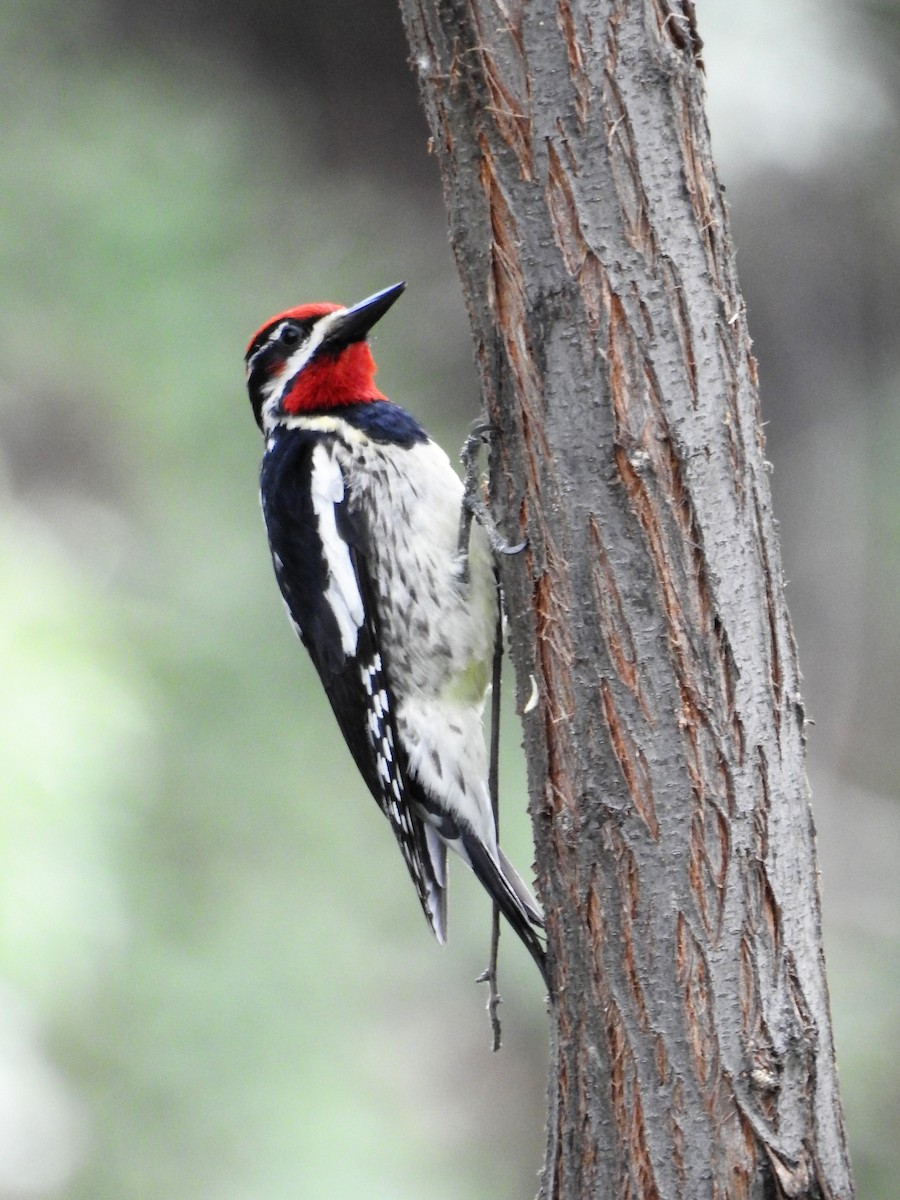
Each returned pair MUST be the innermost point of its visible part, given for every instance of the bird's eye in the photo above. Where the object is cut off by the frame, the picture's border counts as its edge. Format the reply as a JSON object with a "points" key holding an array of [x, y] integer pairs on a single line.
{"points": [[289, 336]]}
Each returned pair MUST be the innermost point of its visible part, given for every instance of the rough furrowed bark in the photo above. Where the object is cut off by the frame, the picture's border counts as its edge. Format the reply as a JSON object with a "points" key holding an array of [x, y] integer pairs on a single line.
{"points": [[690, 1029]]}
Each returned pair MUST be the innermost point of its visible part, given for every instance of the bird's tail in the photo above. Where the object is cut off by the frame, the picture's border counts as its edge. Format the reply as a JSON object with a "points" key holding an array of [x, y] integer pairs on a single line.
{"points": [[434, 895], [502, 883]]}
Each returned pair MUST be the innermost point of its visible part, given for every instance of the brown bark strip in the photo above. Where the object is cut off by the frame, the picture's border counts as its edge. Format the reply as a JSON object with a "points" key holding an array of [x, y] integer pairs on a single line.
{"points": [[576, 58], [581, 261], [632, 762], [699, 187], [693, 975], [555, 656], [675, 291], [625, 171], [510, 112], [613, 620], [636, 1175]]}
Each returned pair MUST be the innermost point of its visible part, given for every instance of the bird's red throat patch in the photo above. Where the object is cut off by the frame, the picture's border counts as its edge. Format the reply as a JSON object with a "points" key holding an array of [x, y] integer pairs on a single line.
{"points": [[333, 380]]}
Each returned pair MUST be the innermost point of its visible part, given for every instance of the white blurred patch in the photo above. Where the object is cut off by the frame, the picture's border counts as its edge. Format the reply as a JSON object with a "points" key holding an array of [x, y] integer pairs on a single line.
{"points": [[42, 1125], [790, 84]]}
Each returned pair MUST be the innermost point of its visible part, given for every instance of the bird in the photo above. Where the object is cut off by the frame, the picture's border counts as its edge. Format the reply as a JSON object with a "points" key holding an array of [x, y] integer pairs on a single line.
{"points": [[362, 510]]}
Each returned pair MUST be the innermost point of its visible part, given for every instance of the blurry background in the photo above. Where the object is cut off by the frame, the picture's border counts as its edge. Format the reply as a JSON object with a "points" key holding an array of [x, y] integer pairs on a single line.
{"points": [[214, 978]]}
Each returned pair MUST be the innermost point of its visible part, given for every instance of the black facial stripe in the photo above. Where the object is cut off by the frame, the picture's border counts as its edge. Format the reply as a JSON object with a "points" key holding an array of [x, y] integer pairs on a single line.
{"points": [[265, 334], [268, 353]]}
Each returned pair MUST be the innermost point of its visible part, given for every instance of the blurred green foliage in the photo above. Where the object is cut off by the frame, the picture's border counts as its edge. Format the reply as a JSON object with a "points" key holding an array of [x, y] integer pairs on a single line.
{"points": [[211, 953]]}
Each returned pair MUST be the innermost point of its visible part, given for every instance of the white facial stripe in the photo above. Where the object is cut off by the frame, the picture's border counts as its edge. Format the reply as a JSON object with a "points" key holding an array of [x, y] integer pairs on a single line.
{"points": [[274, 388], [342, 593], [301, 356]]}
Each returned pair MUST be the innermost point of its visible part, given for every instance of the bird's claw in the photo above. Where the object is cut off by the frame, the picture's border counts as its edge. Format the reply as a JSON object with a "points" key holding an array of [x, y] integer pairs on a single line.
{"points": [[474, 506]]}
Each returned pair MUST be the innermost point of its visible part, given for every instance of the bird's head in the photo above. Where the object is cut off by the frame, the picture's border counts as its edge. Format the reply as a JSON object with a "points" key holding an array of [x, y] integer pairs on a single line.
{"points": [[314, 358]]}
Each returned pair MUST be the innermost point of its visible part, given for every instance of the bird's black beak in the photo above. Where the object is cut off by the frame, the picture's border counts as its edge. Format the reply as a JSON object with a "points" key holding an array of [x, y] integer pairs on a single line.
{"points": [[354, 323]]}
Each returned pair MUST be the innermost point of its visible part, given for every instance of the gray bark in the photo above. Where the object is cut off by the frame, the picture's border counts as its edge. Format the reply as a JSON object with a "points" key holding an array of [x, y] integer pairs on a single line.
{"points": [[690, 1030]]}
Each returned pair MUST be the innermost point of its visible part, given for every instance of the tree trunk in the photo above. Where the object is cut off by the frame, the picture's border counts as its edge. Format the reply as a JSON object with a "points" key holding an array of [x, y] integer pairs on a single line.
{"points": [[691, 1043]]}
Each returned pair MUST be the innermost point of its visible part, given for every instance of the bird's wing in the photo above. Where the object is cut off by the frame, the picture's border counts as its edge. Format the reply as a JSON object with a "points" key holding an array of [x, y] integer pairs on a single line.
{"points": [[317, 540]]}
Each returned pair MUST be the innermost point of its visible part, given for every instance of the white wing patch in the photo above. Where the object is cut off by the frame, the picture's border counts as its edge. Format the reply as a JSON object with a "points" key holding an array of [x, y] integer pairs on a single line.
{"points": [[342, 593]]}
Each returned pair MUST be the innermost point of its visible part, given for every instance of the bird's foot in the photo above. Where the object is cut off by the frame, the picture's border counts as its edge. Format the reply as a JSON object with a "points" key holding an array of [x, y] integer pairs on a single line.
{"points": [[473, 506]]}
